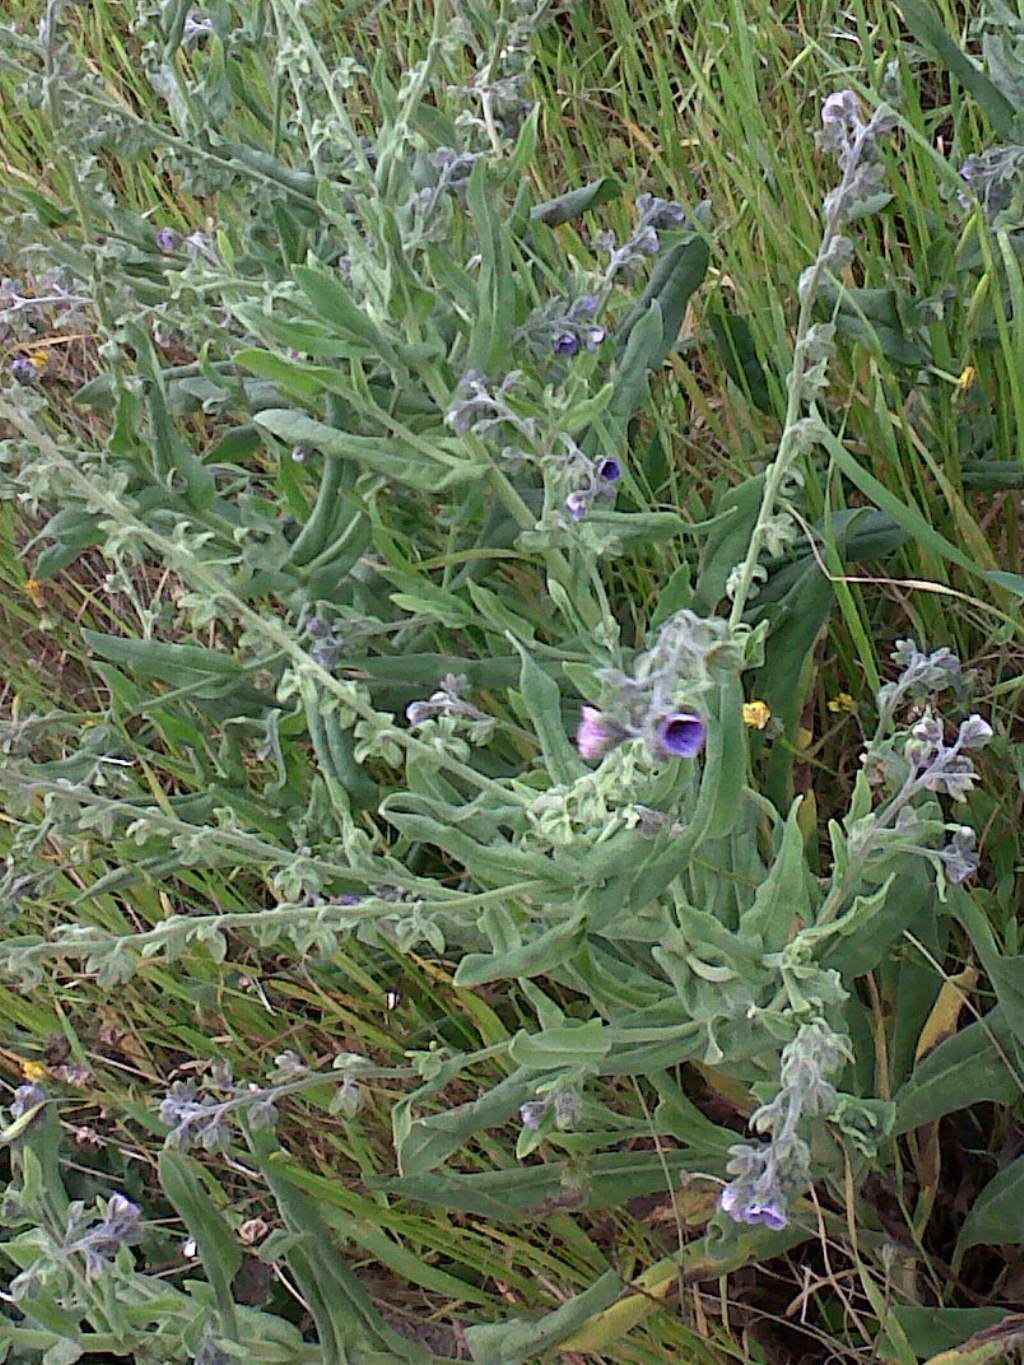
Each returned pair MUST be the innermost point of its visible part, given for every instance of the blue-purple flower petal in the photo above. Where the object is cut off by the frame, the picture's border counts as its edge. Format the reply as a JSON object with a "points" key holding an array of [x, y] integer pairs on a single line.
{"points": [[681, 734], [597, 733], [576, 505]]}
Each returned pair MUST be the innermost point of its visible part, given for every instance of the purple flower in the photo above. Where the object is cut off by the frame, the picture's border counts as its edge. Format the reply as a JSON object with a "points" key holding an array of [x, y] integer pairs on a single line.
{"points": [[609, 470], [659, 213], [300, 454], [195, 29], [566, 343], [317, 627], [597, 732], [348, 898], [593, 337], [23, 370], [576, 505], [928, 731], [951, 775], [671, 214], [586, 303], [120, 1227], [993, 177], [681, 734], [26, 1097], [167, 240], [666, 215], [959, 855], [647, 241], [99, 1243], [325, 653], [975, 732], [770, 1214], [531, 1113]]}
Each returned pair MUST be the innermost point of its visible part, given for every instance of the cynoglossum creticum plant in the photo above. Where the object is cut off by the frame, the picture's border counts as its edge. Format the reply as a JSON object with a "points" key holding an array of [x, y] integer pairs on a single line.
{"points": [[401, 321]]}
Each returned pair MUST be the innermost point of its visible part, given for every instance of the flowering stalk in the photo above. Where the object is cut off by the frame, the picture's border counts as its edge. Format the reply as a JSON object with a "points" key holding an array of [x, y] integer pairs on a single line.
{"points": [[54, 105], [934, 767], [75, 1249], [311, 48], [125, 952], [856, 143], [196, 1116], [766, 1177], [206, 577]]}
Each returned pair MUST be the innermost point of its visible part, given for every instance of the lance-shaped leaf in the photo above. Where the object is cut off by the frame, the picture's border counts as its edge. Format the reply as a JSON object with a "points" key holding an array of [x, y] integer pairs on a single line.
{"points": [[575, 203]]}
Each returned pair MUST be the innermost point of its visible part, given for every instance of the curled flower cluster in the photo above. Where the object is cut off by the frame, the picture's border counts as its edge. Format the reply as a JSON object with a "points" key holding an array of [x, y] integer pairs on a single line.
{"points": [[98, 1241], [918, 762], [485, 409], [595, 480], [766, 1177], [677, 734], [854, 141], [482, 409], [689, 653], [426, 205], [921, 675], [940, 767], [564, 330], [202, 1113], [925, 764], [205, 1112], [194, 1118], [564, 1104], [449, 701], [327, 644], [500, 84], [995, 177], [655, 215], [91, 1236], [928, 762]]}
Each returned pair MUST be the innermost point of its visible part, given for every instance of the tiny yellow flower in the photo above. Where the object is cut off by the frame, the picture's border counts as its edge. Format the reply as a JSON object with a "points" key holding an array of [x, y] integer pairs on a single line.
{"points": [[966, 378], [33, 1071], [842, 701], [756, 714], [34, 590]]}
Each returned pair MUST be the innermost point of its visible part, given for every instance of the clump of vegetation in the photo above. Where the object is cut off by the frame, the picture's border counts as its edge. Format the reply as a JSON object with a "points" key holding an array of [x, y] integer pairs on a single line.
{"points": [[533, 770]]}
